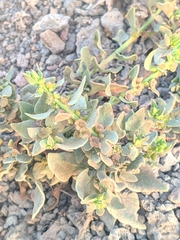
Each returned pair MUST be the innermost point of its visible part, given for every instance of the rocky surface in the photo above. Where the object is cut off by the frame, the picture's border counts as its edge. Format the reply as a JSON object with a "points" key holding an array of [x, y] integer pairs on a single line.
{"points": [[52, 33]]}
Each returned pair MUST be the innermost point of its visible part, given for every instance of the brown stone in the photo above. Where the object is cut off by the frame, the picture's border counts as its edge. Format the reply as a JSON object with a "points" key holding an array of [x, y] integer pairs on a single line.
{"points": [[51, 40]]}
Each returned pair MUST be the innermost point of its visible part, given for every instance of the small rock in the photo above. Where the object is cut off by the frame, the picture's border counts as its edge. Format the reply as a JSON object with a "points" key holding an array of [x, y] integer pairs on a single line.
{"points": [[21, 203], [89, 1], [177, 212], [52, 67], [70, 44], [168, 161], [56, 228], [175, 182], [85, 37], [174, 196], [11, 221], [76, 219], [20, 80], [2, 198], [70, 5], [53, 22], [100, 229], [176, 167], [162, 226], [4, 210], [10, 47], [112, 21], [2, 61], [4, 187], [22, 61], [71, 57], [3, 17], [53, 59], [121, 233], [148, 205], [176, 153], [166, 207], [52, 41]]}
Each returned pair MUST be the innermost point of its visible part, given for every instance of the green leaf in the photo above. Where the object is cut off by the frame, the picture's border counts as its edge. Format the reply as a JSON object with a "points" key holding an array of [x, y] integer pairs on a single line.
{"points": [[147, 182], [97, 43], [134, 104], [22, 128], [121, 57], [108, 220], [69, 75], [3, 102], [38, 198], [76, 95], [121, 37], [134, 72], [29, 79], [72, 143], [79, 155], [33, 133], [41, 106], [173, 123], [136, 120], [135, 164], [40, 116], [23, 158], [10, 73], [167, 7], [85, 185], [20, 175], [25, 107], [131, 17], [106, 160], [128, 177], [92, 119], [115, 203], [129, 215], [64, 165], [170, 106], [39, 147], [148, 60], [6, 92], [106, 115], [80, 104]]}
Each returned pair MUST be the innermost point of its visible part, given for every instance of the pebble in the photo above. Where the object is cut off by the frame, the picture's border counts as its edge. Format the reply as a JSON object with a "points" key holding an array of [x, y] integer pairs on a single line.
{"points": [[53, 59], [70, 44], [168, 161], [2, 198], [174, 196], [4, 187], [53, 22], [165, 207], [2, 61], [22, 61], [11, 221], [20, 80], [112, 21], [52, 41], [121, 233], [70, 6], [10, 47]]}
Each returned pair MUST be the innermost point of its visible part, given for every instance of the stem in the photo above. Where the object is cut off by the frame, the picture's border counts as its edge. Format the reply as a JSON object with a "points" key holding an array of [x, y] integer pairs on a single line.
{"points": [[67, 109], [152, 76], [61, 105], [129, 41]]}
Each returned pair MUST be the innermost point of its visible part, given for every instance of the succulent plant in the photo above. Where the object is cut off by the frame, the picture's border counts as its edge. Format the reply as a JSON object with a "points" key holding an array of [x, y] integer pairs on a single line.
{"points": [[109, 157]]}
